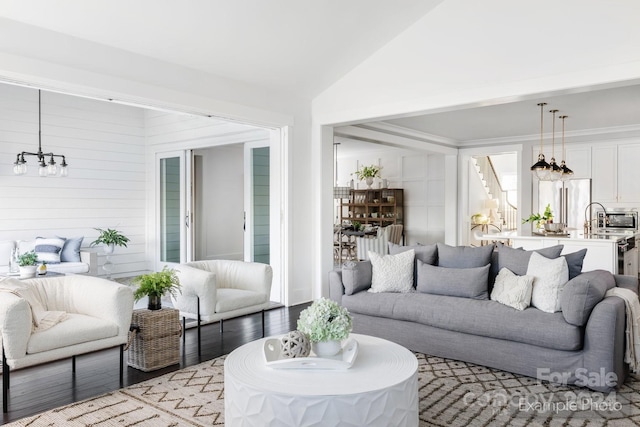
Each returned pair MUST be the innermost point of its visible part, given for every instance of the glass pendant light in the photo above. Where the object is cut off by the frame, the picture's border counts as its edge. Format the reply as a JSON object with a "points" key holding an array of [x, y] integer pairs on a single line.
{"points": [[566, 172], [556, 171], [541, 168]]}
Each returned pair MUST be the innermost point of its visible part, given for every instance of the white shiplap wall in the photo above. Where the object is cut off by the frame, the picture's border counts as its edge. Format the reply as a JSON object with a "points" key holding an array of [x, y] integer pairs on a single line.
{"points": [[105, 148]]}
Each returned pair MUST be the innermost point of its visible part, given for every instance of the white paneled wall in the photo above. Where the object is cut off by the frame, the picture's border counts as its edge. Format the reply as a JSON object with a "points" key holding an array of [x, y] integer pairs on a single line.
{"points": [[105, 149], [421, 177]]}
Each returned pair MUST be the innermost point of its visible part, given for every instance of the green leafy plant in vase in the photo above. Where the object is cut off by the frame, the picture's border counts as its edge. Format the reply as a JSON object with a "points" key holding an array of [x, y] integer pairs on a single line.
{"points": [[28, 264], [538, 220], [110, 238], [367, 173], [155, 285]]}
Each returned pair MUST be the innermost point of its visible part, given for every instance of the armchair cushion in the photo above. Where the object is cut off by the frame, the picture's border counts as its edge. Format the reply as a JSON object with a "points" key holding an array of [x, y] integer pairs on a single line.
{"points": [[226, 288], [76, 329]]}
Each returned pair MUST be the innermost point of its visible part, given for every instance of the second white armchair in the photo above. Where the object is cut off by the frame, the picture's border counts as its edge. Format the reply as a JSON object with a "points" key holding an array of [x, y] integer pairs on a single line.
{"points": [[216, 290]]}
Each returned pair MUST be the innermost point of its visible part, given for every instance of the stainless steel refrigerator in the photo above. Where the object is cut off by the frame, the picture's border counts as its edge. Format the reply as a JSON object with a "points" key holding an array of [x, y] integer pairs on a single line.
{"points": [[568, 200]]}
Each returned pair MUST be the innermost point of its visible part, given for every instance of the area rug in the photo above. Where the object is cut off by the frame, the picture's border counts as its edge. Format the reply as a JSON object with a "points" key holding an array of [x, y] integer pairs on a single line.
{"points": [[451, 393]]}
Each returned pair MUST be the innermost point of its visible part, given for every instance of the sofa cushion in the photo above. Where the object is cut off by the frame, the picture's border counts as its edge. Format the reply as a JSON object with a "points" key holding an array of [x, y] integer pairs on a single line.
{"points": [[582, 293], [455, 282], [69, 267], [574, 262], [517, 260], [71, 250], [356, 276], [48, 249], [392, 273], [512, 290], [550, 277], [463, 256], [477, 317]]}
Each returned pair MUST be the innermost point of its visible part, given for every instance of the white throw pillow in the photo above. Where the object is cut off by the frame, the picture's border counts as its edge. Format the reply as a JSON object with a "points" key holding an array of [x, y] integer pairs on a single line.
{"points": [[512, 290], [550, 277], [392, 273], [48, 249]]}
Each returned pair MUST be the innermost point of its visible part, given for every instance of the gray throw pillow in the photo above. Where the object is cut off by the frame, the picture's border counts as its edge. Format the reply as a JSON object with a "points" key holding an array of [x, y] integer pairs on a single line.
{"points": [[463, 256], [71, 249], [356, 276], [454, 282], [425, 253], [517, 260], [582, 293], [574, 262]]}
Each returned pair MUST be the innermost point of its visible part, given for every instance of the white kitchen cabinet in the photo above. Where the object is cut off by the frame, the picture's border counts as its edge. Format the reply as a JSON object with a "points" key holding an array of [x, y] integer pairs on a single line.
{"points": [[615, 173], [603, 171], [601, 254], [578, 159]]}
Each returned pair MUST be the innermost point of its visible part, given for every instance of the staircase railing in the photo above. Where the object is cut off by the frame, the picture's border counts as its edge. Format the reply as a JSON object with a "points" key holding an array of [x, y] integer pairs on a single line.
{"points": [[508, 213]]}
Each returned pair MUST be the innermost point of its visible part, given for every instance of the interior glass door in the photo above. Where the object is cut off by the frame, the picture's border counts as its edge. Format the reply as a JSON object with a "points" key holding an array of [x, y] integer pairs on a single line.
{"points": [[174, 211]]}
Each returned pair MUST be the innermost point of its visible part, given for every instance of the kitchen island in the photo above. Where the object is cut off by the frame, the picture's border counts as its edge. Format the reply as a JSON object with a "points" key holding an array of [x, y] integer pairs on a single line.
{"points": [[614, 252]]}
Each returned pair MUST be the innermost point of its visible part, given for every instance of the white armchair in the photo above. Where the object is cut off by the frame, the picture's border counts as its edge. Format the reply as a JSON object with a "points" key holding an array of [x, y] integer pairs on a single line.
{"points": [[90, 314], [216, 290]]}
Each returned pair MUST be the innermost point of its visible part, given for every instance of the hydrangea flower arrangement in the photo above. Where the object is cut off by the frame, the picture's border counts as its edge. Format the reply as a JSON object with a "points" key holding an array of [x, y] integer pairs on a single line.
{"points": [[325, 320]]}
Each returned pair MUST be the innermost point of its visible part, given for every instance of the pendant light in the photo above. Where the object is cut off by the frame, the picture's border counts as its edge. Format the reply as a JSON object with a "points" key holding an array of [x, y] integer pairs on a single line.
{"points": [[566, 172], [49, 168], [556, 171], [541, 168]]}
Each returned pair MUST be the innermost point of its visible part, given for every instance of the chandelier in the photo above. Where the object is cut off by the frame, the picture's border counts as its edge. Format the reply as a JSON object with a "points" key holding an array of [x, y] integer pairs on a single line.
{"points": [[46, 168], [541, 168]]}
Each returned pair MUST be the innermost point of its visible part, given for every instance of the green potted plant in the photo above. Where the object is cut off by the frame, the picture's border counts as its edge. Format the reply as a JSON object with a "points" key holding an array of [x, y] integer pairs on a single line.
{"points": [[110, 238], [325, 323], [537, 220], [155, 285], [27, 263], [367, 173]]}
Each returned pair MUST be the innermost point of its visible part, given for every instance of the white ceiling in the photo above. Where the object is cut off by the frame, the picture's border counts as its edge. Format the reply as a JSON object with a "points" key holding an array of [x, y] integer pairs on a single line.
{"points": [[303, 46], [299, 46]]}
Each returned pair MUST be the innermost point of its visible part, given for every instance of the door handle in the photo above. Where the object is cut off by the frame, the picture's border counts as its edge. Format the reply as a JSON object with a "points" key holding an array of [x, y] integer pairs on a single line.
{"points": [[186, 220]]}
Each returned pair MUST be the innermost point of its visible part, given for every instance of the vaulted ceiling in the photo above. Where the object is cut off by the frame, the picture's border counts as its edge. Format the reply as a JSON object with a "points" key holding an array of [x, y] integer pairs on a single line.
{"points": [[302, 47]]}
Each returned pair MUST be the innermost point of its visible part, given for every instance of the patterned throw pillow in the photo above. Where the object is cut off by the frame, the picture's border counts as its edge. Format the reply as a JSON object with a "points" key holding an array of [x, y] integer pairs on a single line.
{"points": [[512, 290], [48, 249], [392, 273], [550, 277]]}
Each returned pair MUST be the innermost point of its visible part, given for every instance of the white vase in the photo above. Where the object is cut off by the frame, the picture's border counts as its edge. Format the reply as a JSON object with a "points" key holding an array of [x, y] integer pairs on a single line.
{"points": [[108, 249], [28, 271], [369, 181], [326, 348]]}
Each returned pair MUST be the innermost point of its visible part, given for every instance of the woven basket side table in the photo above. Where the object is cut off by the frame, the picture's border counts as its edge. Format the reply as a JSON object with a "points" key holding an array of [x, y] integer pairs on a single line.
{"points": [[155, 339]]}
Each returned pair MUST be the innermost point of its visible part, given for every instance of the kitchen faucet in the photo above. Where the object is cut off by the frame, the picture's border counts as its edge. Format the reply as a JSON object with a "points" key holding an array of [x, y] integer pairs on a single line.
{"points": [[588, 222]]}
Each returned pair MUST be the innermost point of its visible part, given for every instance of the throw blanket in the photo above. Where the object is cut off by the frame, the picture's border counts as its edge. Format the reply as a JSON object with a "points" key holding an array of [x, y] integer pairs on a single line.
{"points": [[41, 318], [632, 352]]}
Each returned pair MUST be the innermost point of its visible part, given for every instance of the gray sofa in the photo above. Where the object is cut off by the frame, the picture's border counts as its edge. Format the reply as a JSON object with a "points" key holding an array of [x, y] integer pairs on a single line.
{"points": [[576, 345]]}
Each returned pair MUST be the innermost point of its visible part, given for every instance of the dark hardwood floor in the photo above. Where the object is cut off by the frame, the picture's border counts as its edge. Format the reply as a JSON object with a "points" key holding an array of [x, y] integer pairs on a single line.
{"points": [[40, 388]]}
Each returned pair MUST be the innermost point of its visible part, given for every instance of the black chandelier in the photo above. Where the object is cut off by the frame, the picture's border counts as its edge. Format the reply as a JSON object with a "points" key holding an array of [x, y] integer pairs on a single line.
{"points": [[49, 168]]}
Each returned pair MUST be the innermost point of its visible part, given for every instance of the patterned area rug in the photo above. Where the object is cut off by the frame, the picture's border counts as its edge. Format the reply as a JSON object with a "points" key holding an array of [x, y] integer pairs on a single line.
{"points": [[452, 393]]}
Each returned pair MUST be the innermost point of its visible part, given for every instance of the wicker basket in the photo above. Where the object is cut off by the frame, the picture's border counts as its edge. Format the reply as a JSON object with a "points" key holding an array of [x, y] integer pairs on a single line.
{"points": [[154, 341]]}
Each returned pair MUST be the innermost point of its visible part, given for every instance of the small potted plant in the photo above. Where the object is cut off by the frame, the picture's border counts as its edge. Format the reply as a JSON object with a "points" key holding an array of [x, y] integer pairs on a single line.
{"points": [[326, 324], [367, 173], [155, 285], [28, 263], [110, 238]]}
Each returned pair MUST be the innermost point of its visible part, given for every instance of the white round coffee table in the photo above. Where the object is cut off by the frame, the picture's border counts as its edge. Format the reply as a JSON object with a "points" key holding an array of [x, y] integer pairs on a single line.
{"points": [[380, 389]]}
